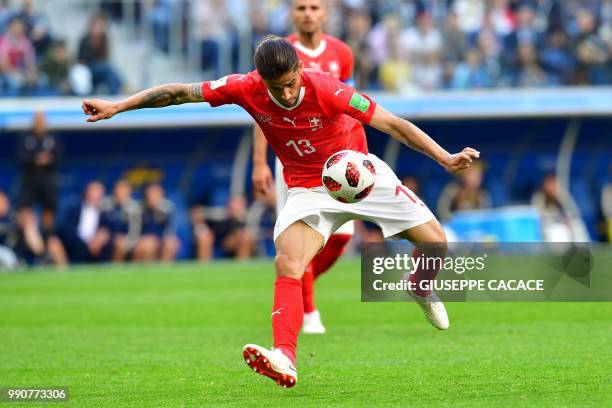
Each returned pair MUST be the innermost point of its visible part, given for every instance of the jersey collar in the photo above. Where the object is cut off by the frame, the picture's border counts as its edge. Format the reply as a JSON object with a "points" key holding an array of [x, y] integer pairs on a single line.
{"points": [[280, 105], [311, 53]]}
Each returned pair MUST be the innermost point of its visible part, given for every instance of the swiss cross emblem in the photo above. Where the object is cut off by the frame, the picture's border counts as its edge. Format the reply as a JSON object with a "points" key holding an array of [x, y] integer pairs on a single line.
{"points": [[315, 123], [315, 65]]}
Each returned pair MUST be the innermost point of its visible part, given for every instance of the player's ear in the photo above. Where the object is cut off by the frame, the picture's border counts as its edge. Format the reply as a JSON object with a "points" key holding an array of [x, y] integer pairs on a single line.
{"points": [[300, 66]]}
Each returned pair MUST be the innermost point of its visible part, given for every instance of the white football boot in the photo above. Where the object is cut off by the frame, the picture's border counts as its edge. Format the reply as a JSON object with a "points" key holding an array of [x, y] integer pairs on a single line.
{"points": [[433, 309], [271, 363], [312, 323]]}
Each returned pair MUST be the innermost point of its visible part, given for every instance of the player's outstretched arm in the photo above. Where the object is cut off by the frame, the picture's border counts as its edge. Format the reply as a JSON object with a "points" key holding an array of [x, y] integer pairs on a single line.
{"points": [[156, 97], [410, 135], [262, 174]]}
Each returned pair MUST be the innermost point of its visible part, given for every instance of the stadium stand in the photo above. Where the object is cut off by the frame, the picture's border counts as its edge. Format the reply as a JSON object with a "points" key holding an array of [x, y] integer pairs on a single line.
{"points": [[446, 50]]}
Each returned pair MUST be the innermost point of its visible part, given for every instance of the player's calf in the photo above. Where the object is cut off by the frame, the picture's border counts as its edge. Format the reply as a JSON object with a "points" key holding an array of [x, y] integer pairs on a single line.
{"points": [[334, 248]]}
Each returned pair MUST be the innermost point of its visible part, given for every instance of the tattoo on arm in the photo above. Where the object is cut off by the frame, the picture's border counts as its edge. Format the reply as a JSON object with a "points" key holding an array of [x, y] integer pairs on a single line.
{"points": [[172, 94], [195, 92]]}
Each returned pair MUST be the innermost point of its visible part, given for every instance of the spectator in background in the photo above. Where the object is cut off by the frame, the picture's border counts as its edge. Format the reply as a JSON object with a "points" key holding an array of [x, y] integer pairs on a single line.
{"points": [[557, 59], [79, 230], [428, 74], [56, 67], [17, 60], [590, 51], [231, 233], [526, 32], [605, 32], [422, 47], [157, 238], [470, 14], [455, 46], [490, 51], [6, 13], [529, 73], [38, 154], [502, 17], [570, 10], [606, 13], [420, 43], [381, 43], [120, 221], [8, 234], [261, 218], [278, 16], [472, 73], [203, 236], [465, 194], [394, 73], [259, 26], [561, 220], [159, 15], [94, 52], [358, 25], [37, 27], [80, 79], [215, 33]]}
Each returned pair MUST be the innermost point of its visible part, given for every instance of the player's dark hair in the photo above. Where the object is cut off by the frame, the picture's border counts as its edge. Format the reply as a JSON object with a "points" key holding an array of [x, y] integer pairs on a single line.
{"points": [[274, 57]]}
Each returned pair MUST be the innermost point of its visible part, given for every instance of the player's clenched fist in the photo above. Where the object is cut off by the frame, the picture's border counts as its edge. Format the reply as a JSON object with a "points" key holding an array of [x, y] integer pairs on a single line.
{"points": [[460, 161], [98, 109]]}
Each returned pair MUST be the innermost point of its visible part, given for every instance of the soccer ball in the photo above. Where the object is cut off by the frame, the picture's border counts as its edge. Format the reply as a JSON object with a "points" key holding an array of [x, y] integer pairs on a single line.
{"points": [[348, 176]]}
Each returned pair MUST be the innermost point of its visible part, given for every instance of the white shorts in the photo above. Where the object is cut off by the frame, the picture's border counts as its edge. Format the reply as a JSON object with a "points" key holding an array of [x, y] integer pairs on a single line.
{"points": [[392, 208], [348, 228]]}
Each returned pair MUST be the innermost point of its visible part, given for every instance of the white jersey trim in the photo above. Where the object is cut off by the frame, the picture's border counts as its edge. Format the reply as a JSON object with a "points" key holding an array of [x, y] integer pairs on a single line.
{"points": [[280, 105], [311, 53]]}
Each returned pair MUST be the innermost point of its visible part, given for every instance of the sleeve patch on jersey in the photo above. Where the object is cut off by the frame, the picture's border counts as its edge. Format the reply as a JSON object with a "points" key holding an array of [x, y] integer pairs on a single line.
{"points": [[218, 83], [359, 102]]}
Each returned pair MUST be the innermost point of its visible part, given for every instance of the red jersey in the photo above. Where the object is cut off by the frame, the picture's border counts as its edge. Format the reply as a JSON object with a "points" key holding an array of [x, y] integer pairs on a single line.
{"points": [[307, 134], [331, 56], [18, 54]]}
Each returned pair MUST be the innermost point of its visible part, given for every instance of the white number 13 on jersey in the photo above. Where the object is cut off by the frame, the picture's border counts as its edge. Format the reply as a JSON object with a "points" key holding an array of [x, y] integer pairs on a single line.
{"points": [[302, 146]]}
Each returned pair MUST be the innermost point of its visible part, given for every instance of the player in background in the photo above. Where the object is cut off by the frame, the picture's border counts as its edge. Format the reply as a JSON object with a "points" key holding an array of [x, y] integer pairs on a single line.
{"points": [[305, 117], [324, 53]]}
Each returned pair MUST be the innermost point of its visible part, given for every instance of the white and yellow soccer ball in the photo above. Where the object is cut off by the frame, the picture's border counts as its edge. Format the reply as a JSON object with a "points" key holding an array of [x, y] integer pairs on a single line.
{"points": [[348, 176]]}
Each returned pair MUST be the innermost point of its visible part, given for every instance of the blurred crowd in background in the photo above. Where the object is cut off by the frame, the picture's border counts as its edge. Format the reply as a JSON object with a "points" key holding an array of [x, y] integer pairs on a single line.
{"points": [[35, 59], [136, 220], [398, 45]]}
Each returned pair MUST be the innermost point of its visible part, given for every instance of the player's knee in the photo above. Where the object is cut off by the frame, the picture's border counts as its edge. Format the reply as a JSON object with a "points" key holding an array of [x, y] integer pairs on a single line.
{"points": [[247, 238], [285, 266], [436, 245], [120, 241], [149, 244], [205, 237], [437, 234], [171, 244]]}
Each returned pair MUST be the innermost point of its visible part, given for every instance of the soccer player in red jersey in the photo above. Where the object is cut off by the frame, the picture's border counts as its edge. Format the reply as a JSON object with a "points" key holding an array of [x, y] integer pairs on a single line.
{"points": [[325, 53], [306, 117]]}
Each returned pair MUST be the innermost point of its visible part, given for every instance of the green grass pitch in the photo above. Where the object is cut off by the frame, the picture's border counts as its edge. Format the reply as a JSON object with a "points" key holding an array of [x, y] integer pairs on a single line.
{"points": [[171, 335]]}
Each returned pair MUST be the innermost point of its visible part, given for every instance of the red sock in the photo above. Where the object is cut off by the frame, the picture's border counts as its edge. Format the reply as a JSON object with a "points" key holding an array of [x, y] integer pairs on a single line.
{"points": [[308, 290], [422, 273], [287, 314], [330, 254]]}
